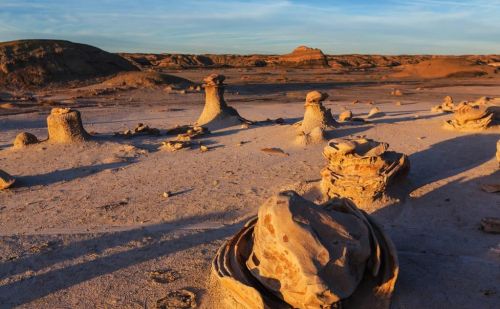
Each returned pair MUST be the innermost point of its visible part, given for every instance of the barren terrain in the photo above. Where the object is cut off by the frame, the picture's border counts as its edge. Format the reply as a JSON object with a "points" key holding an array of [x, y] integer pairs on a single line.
{"points": [[86, 224]]}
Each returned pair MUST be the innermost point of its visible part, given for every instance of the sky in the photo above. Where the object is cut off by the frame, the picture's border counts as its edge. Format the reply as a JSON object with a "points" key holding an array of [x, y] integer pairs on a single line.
{"points": [[258, 26]]}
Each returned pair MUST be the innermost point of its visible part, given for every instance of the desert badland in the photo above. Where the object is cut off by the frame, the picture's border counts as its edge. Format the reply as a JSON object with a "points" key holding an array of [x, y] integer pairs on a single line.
{"points": [[302, 180]]}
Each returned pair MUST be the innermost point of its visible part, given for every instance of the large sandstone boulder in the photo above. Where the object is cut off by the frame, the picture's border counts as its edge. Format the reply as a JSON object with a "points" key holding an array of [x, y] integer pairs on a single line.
{"points": [[36, 63], [469, 117], [360, 169], [297, 254], [216, 113], [65, 126]]}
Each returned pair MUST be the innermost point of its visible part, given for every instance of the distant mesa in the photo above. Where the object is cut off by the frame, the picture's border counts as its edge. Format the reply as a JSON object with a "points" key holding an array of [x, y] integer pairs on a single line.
{"points": [[38, 63], [304, 56], [444, 67]]}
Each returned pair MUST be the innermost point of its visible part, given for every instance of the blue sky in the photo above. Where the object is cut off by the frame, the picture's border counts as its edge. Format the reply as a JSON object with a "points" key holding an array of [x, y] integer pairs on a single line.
{"points": [[258, 26]]}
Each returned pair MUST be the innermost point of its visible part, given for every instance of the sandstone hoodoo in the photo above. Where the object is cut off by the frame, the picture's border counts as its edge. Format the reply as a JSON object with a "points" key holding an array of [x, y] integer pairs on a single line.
{"points": [[304, 56], [24, 139], [6, 180], [316, 119], [65, 126], [297, 254], [469, 117], [216, 113], [360, 169], [37, 63]]}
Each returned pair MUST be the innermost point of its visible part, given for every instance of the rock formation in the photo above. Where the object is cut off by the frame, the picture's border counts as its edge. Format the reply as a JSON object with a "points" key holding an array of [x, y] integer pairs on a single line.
{"points": [[216, 113], [360, 169], [140, 130], [345, 116], [36, 63], [65, 126], [375, 112], [316, 119], [498, 152], [184, 139], [24, 139], [469, 118], [304, 56], [6, 180], [297, 254], [447, 106], [444, 67]]}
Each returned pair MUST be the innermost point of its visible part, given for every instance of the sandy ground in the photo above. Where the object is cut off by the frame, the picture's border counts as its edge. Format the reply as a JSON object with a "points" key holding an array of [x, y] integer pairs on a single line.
{"points": [[86, 224]]}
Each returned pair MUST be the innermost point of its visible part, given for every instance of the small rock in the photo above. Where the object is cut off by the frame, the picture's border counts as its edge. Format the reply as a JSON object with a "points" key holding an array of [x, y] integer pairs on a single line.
{"points": [[180, 299], [167, 194], [203, 148]]}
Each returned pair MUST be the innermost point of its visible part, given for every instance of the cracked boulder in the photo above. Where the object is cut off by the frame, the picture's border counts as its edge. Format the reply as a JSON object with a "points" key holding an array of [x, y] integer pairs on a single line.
{"points": [[297, 254]]}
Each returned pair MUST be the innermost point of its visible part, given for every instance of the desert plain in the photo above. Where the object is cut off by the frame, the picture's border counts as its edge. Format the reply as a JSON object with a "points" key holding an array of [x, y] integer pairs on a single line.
{"points": [[117, 222]]}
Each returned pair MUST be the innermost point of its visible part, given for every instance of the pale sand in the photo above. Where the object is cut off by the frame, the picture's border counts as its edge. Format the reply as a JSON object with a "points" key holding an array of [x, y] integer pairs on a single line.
{"points": [[86, 223]]}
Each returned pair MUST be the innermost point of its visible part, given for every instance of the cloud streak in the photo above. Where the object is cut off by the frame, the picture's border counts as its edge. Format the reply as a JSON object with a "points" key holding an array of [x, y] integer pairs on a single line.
{"points": [[217, 26]]}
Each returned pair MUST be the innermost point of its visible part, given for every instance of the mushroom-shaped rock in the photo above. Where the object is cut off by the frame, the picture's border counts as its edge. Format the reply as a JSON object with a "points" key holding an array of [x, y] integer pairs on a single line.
{"points": [[360, 169], [65, 126], [468, 117], [6, 180], [297, 254], [316, 115], [216, 113], [24, 139]]}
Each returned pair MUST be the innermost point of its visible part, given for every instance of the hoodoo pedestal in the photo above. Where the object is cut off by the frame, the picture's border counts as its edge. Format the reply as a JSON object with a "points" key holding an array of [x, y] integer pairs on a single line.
{"points": [[316, 119], [216, 113], [65, 126]]}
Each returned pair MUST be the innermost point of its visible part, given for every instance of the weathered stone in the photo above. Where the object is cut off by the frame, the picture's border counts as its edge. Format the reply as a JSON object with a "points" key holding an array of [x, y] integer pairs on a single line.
{"points": [[469, 118], [360, 169], [6, 180], [375, 112], [65, 126], [345, 116], [297, 254], [24, 139]]}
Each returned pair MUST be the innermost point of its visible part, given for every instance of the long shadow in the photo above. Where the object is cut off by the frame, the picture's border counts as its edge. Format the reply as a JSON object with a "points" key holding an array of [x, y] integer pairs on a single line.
{"points": [[402, 119], [451, 157], [67, 174], [268, 88], [442, 252], [24, 291], [76, 249]]}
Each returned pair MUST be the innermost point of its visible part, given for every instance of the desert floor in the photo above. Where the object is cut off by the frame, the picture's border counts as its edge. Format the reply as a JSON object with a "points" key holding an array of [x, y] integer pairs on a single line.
{"points": [[87, 223]]}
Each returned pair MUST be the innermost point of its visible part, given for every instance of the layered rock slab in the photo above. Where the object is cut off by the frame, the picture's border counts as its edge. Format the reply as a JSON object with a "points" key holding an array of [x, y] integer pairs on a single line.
{"points": [[360, 169]]}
